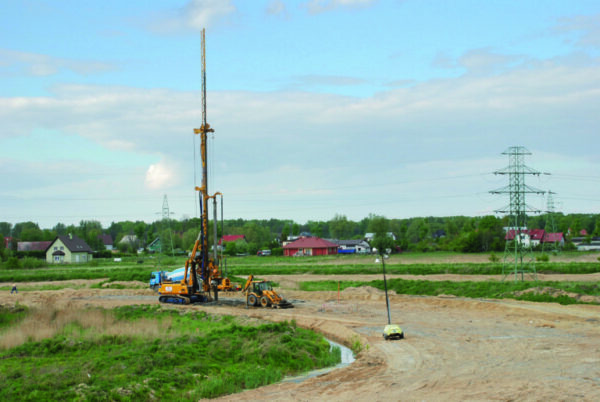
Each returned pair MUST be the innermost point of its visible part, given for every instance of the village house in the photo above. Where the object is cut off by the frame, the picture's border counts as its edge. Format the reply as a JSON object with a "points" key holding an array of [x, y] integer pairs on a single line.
{"points": [[306, 246], [68, 249]]}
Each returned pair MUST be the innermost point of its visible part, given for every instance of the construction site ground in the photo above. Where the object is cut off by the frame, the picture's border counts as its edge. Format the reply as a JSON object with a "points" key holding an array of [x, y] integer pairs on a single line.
{"points": [[455, 348]]}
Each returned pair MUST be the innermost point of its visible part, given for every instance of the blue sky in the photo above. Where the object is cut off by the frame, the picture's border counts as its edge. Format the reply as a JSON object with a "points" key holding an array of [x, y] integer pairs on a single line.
{"points": [[398, 108]]}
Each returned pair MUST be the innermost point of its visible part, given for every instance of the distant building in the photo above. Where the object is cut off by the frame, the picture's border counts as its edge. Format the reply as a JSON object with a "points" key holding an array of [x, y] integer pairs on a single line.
{"points": [[107, 240], [371, 236], [534, 237], [307, 246], [33, 245], [352, 246], [155, 246], [68, 249], [232, 238]]}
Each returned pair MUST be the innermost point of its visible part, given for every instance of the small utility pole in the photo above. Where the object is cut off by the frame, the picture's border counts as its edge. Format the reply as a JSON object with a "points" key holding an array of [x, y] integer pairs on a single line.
{"points": [[387, 300]]}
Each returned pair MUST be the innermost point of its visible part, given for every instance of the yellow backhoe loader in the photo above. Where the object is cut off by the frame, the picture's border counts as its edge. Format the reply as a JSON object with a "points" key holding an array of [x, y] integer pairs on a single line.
{"points": [[261, 293]]}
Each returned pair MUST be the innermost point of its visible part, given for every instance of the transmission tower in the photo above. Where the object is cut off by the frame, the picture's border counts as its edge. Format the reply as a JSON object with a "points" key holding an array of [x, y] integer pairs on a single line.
{"points": [[518, 256], [166, 215], [550, 223]]}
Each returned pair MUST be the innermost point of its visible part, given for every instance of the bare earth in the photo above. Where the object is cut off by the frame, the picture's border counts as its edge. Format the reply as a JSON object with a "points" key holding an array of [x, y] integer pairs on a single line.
{"points": [[455, 349]]}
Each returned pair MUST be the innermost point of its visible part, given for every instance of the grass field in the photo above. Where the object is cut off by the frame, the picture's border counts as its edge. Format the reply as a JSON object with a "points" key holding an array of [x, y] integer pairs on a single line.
{"points": [[140, 353], [422, 264]]}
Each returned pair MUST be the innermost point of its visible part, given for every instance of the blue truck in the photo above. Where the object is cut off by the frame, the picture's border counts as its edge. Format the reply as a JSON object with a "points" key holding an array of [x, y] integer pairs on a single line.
{"points": [[158, 277]]}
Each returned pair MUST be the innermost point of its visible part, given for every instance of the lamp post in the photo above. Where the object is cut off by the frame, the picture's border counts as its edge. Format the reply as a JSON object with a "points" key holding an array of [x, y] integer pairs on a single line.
{"points": [[387, 300]]}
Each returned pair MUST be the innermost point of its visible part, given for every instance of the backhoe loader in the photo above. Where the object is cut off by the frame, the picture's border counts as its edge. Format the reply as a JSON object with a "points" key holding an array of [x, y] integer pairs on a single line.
{"points": [[261, 293]]}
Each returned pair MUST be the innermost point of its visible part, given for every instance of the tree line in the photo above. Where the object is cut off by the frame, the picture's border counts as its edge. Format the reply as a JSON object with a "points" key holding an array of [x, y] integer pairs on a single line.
{"points": [[454, 233]]}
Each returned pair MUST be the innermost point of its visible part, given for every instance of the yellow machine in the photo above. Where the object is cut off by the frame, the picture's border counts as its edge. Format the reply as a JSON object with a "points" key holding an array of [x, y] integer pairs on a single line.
{"points": [[202, 273], [261, 293]]}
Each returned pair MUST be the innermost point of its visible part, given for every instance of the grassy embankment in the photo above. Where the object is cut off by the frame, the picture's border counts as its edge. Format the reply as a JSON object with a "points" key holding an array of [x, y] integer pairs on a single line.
{"points": [[146, 353], [556, 292]]}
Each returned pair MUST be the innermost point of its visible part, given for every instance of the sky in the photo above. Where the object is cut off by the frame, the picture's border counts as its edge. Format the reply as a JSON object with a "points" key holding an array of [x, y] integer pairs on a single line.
{"points": [[398, 108]]}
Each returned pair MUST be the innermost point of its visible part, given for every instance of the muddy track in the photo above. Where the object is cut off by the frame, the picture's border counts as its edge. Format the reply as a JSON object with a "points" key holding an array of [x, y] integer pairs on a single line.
{"points": [[455, 349]]}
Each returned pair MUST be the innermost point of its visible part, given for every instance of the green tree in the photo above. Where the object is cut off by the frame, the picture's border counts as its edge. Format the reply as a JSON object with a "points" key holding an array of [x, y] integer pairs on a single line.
{"points": [[295, 229], [5, 229], [382, 242], [340, 227]]}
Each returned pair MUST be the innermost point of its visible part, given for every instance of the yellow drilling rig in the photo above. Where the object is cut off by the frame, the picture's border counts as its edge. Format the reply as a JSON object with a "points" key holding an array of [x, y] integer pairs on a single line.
{"points": [[203, 271]]}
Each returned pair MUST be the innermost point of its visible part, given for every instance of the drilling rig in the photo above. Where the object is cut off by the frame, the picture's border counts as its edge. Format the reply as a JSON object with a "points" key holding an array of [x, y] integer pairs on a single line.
{"points": [[202, 271]]}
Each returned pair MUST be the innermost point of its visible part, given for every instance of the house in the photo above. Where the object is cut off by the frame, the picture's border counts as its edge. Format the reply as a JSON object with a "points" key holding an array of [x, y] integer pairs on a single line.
{"points": [[129, 239], [586, 243], [68, 249], [534, 237], [371, 236], [556, 238], [155, 246], [33, 245], [352, 246], [310, 246], [232, 238], [7, 241], [107, 240]]}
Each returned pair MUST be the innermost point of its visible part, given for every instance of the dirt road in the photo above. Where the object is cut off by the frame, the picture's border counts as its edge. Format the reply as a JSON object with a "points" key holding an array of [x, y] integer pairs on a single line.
{"points": [[455, 349]]}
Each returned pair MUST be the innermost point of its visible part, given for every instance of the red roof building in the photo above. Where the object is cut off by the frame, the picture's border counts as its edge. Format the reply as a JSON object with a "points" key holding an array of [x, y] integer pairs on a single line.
{"points": [[33, 245], [231, 238], [310, 246], [553, 238]]}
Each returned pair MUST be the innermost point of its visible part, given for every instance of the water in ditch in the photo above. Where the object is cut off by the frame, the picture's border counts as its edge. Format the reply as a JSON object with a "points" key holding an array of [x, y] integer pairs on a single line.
{"points": [[347, 359]]}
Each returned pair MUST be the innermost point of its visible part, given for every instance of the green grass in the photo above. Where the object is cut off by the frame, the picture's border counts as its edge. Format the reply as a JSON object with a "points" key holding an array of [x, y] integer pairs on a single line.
{"points": [[197, 356], [487, 289], [9, 315], [408, 263]]}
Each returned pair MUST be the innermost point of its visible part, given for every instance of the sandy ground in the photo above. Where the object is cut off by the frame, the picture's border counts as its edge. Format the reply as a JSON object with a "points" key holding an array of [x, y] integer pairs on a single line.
{"points": [[455, 349]]}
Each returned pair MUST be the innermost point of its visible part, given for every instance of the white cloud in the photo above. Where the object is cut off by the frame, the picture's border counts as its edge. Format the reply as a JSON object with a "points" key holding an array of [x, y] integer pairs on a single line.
{"points": [[276, 7], [42, 65], [203, 13], [160, 175], [586, 29], [320, 6], [334, 148]]}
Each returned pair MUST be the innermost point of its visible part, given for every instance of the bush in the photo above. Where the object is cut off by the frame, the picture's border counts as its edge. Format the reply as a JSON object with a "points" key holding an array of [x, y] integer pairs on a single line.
{"points": [[30, 262], [12, 263], [494, 258], [542, 258]]}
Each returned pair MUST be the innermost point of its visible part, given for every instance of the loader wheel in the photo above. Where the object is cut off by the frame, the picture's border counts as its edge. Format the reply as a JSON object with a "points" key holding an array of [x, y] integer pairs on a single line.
{"points": [[264, 301], [252, 300]]}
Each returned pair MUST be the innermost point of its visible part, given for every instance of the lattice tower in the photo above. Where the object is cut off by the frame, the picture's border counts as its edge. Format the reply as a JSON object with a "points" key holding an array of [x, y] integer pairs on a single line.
{"points": [[518, 256], [166, 215], [551, 246]]}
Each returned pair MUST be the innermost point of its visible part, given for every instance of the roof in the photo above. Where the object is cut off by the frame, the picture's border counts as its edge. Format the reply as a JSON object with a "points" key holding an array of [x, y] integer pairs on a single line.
{"points": [[310, 242], [33, 245], [349, 243], [230, 238], [107, 239], [537, 234], [73, 243], [553, 237]]}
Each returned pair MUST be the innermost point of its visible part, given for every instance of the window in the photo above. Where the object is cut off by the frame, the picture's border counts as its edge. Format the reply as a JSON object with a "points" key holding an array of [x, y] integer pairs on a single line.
{"points": [[61, 247]]}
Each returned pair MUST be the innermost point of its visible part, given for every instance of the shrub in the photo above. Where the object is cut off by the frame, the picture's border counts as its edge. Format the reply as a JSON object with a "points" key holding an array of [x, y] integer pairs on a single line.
{"points": [[12, 263], [494, 258], [542, 258], [30, 262]]}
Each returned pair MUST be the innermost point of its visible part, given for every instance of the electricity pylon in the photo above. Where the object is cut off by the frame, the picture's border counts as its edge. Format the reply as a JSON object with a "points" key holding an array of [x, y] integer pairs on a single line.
{"points": [[518, 256], [166, 215], [550, 223]]}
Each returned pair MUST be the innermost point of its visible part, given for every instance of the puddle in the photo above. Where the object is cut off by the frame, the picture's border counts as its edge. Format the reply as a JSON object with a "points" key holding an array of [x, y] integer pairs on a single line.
{"points": [[347, 359]]}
